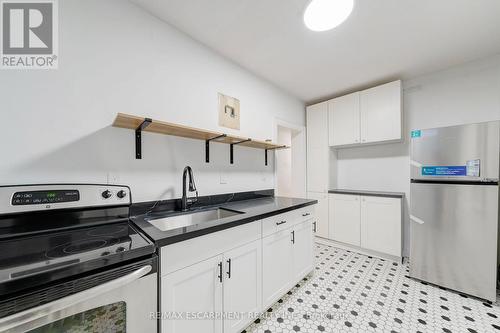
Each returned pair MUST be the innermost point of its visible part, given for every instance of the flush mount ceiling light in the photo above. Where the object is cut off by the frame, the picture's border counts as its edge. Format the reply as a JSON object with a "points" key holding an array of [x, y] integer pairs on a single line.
{"points": [[322, 15]]}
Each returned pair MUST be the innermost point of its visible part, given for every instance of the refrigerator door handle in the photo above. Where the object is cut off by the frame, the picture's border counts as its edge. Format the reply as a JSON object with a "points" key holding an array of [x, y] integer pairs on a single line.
{"points": [[416, 219], [415, 163]]}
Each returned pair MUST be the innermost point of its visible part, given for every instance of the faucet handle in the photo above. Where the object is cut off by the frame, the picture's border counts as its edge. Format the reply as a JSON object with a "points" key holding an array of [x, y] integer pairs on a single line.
{"points": [[193, 200]]}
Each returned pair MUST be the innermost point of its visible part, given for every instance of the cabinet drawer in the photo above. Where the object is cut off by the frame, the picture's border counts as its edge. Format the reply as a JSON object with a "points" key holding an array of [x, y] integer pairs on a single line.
{"points": [[283, 221], [179, 255]]}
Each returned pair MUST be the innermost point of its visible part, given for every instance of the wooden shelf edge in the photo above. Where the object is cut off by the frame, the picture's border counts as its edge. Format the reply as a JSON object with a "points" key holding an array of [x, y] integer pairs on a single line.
{"points": [[123, 120]]}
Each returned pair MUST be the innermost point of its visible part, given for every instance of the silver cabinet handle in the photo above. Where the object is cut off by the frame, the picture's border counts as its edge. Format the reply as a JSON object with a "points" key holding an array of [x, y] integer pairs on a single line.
{"points": [[45, 310], [228, 268], [280, 223], [314, 226], [306, 214], [293, 236]]}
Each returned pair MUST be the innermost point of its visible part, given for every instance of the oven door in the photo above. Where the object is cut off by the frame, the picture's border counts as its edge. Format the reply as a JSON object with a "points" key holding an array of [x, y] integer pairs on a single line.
{"points": [[127, 303]]}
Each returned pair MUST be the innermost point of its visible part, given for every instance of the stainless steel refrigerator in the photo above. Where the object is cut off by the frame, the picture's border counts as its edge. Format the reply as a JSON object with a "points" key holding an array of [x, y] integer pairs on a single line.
{"points": [[454, 207]]}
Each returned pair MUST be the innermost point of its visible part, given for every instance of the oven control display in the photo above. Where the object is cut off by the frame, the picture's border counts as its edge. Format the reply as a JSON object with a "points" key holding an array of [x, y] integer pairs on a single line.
{"points": [[44, 197]]}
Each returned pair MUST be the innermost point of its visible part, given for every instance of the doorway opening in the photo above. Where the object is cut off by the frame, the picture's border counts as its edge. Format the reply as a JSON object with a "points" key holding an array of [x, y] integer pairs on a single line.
{"points": [[290, 171]]}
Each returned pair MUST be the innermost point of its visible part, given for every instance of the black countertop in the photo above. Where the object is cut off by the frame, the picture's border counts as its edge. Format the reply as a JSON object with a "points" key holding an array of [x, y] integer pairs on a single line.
{"points": [[369, 193], [254, 209]]}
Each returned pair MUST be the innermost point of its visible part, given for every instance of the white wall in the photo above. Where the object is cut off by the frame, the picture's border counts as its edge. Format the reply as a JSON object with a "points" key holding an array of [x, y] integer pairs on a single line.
{"points": [[115, 57], [465, 94]]}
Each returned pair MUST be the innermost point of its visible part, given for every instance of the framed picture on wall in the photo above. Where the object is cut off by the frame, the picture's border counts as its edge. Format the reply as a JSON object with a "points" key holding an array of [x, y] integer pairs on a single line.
{"points": [[229, 112]]}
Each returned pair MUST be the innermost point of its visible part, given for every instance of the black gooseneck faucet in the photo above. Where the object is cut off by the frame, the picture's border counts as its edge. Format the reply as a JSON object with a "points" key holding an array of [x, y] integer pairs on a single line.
{"points": [[185, 201]]}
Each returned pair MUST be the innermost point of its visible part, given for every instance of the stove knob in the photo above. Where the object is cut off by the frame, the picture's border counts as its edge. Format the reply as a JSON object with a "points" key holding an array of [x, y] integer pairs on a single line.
{"points": [[105, 253], [106, 194], [121, 194], [120, 249]]}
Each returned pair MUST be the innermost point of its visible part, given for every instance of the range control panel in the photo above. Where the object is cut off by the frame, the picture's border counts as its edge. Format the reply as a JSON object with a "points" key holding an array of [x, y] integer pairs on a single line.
{"points": [[44, 197], [26, 198]]}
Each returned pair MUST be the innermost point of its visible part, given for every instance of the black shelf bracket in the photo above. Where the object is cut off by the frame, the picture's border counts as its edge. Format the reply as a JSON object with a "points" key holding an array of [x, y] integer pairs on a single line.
{"points": [[231, 149], [265, 151], [207, 146], [138, 137]]}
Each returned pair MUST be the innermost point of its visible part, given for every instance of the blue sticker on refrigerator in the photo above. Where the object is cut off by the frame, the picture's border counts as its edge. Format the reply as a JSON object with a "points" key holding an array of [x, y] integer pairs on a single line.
{"points": [[455, 170]]}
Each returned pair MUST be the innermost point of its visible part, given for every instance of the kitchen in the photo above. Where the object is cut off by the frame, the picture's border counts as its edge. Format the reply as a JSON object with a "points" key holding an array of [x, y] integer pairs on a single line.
{"points": [[167, 69]]}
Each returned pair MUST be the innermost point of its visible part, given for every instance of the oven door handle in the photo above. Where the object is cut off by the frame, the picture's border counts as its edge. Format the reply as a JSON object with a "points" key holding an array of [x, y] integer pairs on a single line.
{"points": [[27, 316]]}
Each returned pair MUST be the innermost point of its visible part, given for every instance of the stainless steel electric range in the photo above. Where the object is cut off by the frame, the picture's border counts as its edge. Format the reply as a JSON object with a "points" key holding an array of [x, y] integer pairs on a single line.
{"points": [[71, 261]]}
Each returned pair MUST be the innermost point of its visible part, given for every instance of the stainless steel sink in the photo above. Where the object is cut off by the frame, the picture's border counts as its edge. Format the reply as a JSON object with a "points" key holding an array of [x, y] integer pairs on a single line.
{"points": [[191, 218]]}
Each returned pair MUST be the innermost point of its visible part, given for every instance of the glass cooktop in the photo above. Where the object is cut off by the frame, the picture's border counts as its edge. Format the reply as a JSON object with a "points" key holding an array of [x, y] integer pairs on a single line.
{"points": [[51, 252]]}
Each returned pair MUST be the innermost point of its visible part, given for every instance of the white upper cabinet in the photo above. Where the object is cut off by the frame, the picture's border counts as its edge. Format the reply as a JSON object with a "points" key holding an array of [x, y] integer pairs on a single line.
{"points": [[318, 157], [369, 116], [343, 120], [317, 125], [381, 113]]}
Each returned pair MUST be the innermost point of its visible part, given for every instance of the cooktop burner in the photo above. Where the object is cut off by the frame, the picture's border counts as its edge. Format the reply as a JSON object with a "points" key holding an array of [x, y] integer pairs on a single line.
{"points": [[80, 246], [107, 230]]}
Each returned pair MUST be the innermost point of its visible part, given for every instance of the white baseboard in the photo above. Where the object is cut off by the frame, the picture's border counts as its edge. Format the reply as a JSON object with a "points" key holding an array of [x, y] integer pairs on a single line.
{"points": [[358, 249]]}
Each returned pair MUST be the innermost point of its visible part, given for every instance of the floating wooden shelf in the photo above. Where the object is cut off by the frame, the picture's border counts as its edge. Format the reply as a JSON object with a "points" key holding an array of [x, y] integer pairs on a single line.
{"points": [[141, 124]]}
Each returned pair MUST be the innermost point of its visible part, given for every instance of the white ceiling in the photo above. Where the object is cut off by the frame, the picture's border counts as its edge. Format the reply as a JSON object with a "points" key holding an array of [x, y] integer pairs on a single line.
{"points": [[380, 41]]}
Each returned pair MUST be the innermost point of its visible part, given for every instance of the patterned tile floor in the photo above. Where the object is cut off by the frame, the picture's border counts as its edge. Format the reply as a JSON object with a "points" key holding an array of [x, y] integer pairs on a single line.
{"points": [[350, 292]]}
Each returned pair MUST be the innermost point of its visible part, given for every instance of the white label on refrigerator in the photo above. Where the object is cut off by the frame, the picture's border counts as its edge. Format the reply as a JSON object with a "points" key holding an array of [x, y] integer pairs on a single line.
{"points": [[473, 168]]}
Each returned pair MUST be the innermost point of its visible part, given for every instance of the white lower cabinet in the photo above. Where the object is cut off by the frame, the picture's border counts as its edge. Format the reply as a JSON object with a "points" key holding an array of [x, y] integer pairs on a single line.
{"points": [[191, 290], [287, 256], [276, 266], [302, 250], [242, 285], [345, 218], [235, 282], [228, 283], [369, 222], [381, 224], [321, 213]]}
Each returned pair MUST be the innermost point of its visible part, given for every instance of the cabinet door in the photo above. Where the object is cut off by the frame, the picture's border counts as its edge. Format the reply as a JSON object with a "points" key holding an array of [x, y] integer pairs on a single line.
{"points": [[343, 120], [317, 169], [302, 250], [193, 289], [317, 148], [381, 224], [381, 113], [320, 213], [276, 266], [317, 125], [242, 285], [345, 218]]}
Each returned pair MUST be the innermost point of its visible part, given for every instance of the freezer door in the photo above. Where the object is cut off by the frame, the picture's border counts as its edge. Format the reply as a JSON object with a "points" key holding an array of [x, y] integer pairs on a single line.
{"points": [[454, 236], [444, 153]]}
